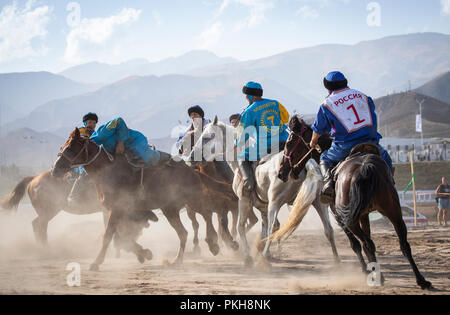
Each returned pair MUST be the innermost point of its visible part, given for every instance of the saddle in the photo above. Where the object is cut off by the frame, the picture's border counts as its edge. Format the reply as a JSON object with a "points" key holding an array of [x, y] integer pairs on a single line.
{"points": [[358, 150]]}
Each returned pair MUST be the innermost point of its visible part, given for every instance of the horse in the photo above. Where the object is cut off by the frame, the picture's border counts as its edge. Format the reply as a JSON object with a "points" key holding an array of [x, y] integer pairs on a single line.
{"points": [[48, 196], [364, 184], [216, 171], [271, 193], [168, 187]]}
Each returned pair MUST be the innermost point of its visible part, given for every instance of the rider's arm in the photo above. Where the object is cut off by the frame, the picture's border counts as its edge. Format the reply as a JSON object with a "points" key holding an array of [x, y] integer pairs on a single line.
{"points": [[321, 126]]}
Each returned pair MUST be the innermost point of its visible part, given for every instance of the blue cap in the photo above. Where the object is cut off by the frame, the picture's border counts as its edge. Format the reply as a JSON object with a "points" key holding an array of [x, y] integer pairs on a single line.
{"points": [[335, 76]]}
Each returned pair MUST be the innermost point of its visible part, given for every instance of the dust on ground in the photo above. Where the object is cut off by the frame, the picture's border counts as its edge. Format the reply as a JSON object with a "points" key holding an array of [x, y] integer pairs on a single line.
{"points": [[305, 265]]}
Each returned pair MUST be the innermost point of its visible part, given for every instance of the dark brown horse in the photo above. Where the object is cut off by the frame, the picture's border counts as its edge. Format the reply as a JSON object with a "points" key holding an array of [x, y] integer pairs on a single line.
{"points": [[166, 187], [48, 196], [364, 184], [230, 204]]}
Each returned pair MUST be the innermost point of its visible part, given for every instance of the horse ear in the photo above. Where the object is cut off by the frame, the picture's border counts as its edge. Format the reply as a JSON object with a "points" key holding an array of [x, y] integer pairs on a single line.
{"points": [[216, 120], [76, 133]]}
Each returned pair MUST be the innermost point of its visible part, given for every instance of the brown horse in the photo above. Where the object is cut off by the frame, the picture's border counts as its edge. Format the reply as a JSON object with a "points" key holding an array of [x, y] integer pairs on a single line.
{"points": [[228, 204], [48, 196], [364, 184], [165, 187]]}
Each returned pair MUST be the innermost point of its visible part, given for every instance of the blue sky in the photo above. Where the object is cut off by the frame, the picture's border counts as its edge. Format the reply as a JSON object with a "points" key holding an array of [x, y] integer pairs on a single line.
{"points": [[35, 34]]}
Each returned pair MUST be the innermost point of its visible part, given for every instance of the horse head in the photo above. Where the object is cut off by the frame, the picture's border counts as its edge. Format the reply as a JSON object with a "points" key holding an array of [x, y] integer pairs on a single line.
{"points": [[77, 151], [295, 149], [215, 141]]}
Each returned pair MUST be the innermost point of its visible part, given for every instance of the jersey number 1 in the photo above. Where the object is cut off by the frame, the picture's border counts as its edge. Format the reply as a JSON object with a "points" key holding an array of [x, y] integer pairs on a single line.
{"points": [[358, 120]]}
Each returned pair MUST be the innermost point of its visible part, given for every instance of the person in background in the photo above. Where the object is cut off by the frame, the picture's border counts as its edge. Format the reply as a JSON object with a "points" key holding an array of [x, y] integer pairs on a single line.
{"points": [[235, 119], [199, 122], [443, 195]]}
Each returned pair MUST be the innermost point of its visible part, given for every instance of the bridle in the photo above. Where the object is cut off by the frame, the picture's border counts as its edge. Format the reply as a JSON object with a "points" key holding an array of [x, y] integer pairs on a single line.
{"points": [[85, 150], [299, 140]]}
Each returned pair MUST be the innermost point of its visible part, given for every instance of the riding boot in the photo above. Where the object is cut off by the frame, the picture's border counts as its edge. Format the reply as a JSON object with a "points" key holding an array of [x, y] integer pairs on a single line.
{"points": [[77, 194], [327, 195], [248, 175]]}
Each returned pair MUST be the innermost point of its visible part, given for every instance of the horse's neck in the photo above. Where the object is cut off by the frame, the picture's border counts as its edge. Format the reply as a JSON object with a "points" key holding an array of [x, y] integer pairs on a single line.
{"points": [[95, 169]]}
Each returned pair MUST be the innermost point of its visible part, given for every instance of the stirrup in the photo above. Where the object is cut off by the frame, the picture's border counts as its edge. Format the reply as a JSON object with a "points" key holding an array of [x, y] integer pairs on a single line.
{"points": [[327, 195]]}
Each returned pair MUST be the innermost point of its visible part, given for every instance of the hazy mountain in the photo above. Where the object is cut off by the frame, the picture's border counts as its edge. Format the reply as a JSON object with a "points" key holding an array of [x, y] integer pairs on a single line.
{"points": [[29, 148], [155, 105], [20, 93], [438, 88], [376, 67], [96, 72], [397, 116]]}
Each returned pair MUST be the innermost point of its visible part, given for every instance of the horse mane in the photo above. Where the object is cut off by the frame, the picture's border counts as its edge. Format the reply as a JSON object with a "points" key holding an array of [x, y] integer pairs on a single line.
{"points": [[297, 122], [73, 136]]}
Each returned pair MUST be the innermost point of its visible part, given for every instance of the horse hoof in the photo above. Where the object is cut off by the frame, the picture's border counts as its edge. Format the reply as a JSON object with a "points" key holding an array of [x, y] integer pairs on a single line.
{"points": [[248, 261], [148, 254], [426, 285], [141, 258], [94, 267], [235, 246], [215, 249], [177, 262]]}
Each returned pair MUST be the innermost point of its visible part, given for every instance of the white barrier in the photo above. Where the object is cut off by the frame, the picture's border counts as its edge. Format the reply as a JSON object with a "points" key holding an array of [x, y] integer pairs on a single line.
{"points": [[421, 196]]}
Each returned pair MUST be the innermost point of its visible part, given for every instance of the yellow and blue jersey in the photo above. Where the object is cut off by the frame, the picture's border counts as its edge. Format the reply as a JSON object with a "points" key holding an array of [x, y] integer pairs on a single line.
{"points": [[264, 121]]}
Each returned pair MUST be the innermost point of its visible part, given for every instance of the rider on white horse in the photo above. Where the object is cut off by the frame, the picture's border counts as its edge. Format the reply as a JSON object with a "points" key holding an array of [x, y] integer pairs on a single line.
{"points": [[350, 116], [264, 122]]}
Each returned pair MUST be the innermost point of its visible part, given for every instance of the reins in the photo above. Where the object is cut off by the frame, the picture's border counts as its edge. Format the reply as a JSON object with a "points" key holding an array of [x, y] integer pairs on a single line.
{"points": [[84, 149], [299, 140]]}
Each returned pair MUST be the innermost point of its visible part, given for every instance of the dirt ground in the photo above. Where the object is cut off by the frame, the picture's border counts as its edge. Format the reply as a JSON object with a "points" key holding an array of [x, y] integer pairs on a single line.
{"points": [[305, 266]]}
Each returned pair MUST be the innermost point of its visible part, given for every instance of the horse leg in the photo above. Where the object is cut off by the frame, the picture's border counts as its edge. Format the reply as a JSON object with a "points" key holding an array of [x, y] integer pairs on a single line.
{"points": [[252, 220], [173, 216], [322, 210], [234, 222], [245, 206], [107, 238], [225, 233], [211, 234], [195, 227], [116, 239], [40, 225], [273, 209], [395, 216]]}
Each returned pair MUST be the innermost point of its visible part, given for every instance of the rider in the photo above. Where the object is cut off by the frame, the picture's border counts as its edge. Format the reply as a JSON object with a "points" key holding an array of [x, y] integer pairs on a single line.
{"points": [[80, 184], [115, 136], [199, 122], [235, 119], [90, 121], [350, 115], [264, 120]]}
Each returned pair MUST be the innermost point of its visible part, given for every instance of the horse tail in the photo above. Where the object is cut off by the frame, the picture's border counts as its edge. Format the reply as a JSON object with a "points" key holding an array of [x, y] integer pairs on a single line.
{"points": [[11, 202], [308, 192], [365, 185]]}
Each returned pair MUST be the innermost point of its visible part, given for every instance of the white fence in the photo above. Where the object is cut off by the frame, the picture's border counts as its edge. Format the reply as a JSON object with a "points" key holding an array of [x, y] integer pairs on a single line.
{"points": [[421, 196]]}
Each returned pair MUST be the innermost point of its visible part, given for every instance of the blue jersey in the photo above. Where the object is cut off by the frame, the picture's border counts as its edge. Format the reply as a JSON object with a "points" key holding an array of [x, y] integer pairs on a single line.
{"points": [[117, 131], [262, 127], [349, 115]]}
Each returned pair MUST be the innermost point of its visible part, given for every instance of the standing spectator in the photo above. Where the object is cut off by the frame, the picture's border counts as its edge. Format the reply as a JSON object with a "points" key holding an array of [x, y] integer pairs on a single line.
{"points": [[443, 195]]}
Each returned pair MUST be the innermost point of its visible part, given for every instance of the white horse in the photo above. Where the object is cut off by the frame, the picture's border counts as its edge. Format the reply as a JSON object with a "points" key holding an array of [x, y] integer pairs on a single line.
{"points": [[271, 193]]}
